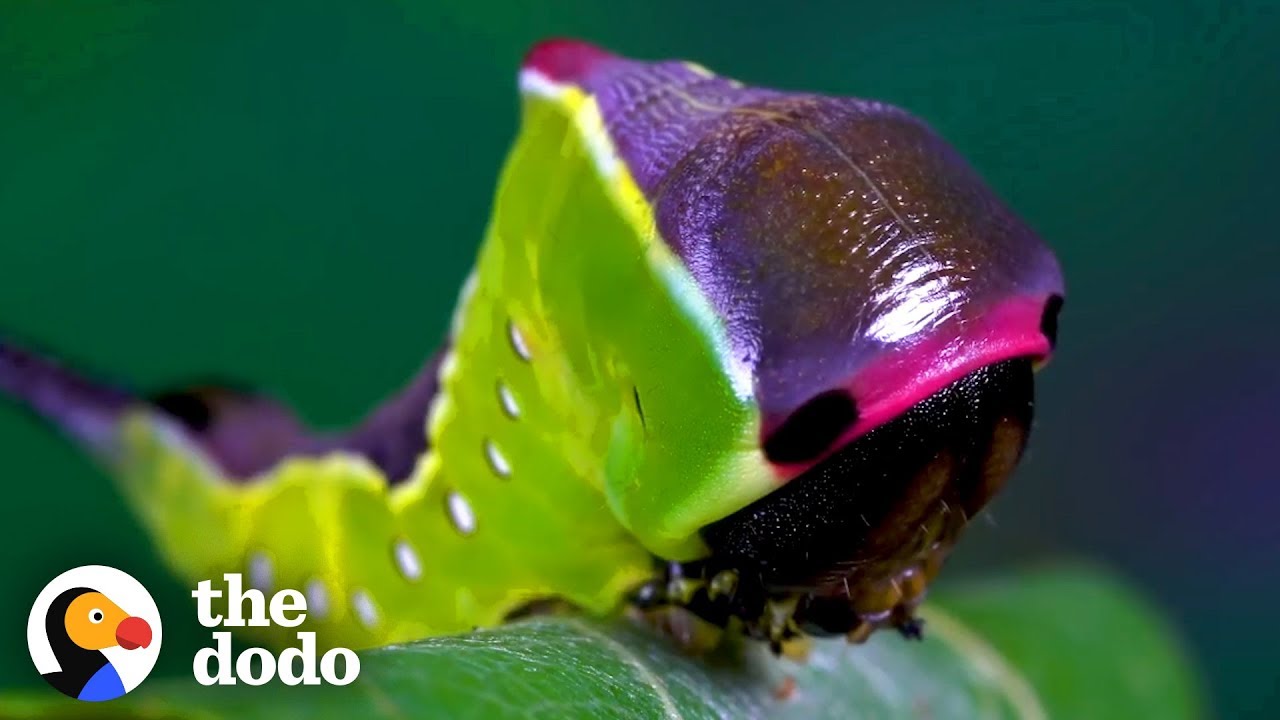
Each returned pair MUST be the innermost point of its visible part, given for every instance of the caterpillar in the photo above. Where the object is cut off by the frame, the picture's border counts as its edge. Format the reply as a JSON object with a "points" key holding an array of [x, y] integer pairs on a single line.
{"points": [[731, 355]]}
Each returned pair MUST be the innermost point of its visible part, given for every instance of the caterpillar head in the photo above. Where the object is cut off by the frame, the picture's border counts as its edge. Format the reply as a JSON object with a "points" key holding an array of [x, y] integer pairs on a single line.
{"points": [[885, 306]]}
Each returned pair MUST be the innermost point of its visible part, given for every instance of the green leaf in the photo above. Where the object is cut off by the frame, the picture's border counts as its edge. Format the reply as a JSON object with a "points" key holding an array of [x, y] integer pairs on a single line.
{"points": [[1067, 643]]}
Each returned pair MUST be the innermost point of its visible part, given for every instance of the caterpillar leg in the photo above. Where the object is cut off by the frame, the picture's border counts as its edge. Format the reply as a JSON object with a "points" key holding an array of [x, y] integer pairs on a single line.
{"points": [[911, 628], [697, 610], [682, 608], [541, 608], [696, 603]]}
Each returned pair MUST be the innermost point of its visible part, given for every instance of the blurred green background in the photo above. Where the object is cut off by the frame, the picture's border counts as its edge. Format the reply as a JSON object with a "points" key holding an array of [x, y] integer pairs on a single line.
{"points": [[290, 193]]}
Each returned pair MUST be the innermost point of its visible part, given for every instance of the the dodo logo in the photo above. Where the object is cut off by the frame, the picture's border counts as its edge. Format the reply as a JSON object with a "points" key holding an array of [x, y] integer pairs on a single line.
{"points": [[94, 633]]}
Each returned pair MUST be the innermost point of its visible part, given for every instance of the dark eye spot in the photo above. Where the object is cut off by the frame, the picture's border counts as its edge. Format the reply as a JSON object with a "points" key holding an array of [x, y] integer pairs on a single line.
{"points": [[1049, 320], [811, 429]]}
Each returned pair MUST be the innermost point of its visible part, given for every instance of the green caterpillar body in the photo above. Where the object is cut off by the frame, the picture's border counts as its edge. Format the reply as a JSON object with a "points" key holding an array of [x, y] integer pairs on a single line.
{"points": [[604, 403]]}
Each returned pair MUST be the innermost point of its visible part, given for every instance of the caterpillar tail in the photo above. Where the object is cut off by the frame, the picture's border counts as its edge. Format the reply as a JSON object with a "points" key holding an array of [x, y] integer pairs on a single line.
{"points": [[227, 480]]}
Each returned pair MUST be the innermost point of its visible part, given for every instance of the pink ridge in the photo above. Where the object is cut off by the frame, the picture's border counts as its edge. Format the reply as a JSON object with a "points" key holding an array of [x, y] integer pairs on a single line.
{"points": [[893, 383], [563, 60]]}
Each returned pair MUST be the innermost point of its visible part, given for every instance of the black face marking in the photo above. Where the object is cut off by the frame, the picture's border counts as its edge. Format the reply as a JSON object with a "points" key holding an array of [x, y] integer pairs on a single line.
{"points": [[1049, 320], [809, 431], [862, 506]]}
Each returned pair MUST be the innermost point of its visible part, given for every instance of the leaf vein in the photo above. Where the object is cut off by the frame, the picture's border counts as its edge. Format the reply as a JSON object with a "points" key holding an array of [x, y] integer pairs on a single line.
{"points": [[637, 663], [987, 658]]}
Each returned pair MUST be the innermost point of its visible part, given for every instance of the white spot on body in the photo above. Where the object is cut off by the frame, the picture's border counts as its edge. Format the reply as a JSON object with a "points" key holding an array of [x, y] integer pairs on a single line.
{"points": [[408, 561], [260, 572], [366, 611], [518, 342], [460, 513], [317, 599], [508, 400], [497, 460]]}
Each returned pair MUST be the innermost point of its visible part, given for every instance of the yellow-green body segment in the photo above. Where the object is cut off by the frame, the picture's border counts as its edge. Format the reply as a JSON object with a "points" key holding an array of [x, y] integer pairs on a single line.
{"points": [[574, 437]]}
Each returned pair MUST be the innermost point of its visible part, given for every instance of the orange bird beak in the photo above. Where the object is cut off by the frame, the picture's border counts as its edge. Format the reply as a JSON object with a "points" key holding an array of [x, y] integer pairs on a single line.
{"points": [[133, 632]]}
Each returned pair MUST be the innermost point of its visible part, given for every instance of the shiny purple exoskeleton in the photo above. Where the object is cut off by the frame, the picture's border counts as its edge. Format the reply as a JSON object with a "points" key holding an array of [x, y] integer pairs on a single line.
{"points": [[888, 307], [842, 242]]}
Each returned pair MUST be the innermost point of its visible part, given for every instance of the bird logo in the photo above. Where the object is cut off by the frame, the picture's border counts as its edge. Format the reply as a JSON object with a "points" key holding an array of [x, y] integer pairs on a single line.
{"points": [[94, 633]]}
